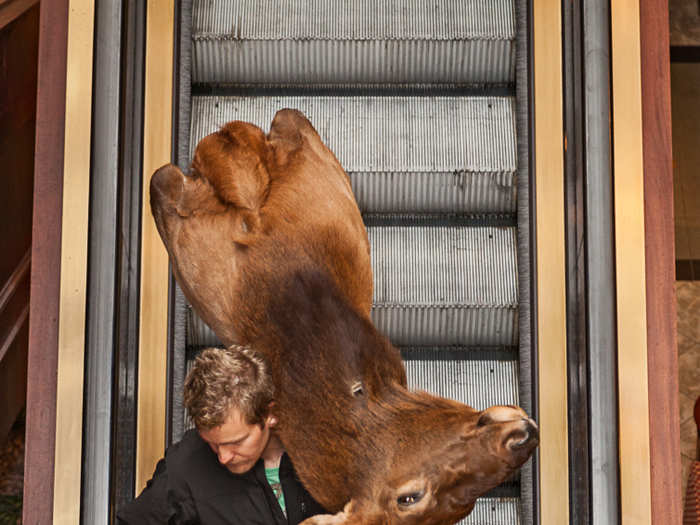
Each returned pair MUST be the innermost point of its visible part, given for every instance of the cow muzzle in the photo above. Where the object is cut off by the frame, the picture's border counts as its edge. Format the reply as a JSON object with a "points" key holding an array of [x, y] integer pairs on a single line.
{"points": [[167, 185]]}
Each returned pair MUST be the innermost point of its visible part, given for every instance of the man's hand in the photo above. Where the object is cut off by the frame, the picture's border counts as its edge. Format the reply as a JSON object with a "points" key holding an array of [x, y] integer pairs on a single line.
{"points": [[341, 518]]}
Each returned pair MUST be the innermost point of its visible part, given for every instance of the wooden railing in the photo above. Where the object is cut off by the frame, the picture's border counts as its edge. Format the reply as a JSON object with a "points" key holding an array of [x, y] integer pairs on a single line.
{"points": [[14, 324]]}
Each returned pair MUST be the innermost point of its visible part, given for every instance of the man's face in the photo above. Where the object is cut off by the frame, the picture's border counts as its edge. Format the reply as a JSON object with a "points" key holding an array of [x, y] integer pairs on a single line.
{"points": [[238, 444]]}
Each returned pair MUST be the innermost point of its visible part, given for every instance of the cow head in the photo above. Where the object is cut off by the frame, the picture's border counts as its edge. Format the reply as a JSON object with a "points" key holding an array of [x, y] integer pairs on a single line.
{"points": [[249, 197], [440, 457]]}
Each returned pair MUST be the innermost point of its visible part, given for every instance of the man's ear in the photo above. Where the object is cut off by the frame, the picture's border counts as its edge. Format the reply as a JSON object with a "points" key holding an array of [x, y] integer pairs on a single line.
{"points": [[271, 419]]}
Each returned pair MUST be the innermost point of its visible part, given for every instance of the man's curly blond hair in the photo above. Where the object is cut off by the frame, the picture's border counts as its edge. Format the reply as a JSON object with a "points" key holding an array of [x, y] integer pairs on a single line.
{"points": [[222, 378]]}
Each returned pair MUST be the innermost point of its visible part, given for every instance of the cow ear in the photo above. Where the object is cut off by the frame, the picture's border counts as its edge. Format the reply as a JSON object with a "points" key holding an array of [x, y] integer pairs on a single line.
{"points": [[288, 126], [234, 162], [291, 132]]}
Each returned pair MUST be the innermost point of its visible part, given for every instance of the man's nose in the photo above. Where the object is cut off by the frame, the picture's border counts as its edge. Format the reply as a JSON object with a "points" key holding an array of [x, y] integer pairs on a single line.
{"points": [[225, 455]]}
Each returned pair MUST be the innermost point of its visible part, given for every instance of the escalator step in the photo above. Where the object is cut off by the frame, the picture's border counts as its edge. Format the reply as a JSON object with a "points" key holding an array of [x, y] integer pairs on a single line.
{"points": [[478, 378], [360, 42], [445, 285], [403, 154], [494, 511], [454, 285]]}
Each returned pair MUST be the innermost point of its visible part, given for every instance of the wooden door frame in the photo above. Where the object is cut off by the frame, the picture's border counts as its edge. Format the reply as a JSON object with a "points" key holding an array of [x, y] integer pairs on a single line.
{"points": [[45, 271], [664, 423]]}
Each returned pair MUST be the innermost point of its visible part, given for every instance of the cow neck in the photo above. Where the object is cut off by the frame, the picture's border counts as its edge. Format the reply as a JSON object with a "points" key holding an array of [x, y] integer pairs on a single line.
{"points": [[319, 349]]}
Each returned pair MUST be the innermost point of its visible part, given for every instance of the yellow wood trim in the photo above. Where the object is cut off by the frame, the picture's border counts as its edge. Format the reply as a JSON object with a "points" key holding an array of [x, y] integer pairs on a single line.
{"points": [[551, 263], [153, 328], [74, 253], [635, 474]]}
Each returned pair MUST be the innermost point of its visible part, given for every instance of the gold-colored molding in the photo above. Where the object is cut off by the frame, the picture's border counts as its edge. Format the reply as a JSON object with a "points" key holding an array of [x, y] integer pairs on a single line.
{"points": [[153, 327], [551, 263], [633, 386], [74, 256]]}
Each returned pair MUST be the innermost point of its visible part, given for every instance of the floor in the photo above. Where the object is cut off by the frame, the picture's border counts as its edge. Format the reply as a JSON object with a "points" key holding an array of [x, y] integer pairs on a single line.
{"points": [[688, 300], [684, 22], [11, 475]]}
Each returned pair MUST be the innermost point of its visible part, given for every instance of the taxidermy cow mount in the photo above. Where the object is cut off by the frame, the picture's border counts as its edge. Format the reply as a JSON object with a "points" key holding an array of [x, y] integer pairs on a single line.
{"points": [[268, 244]]}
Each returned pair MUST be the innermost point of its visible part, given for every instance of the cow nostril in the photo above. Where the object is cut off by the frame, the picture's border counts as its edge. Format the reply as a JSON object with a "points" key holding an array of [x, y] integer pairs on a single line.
{"points": [[517, 439], [484, 420], [522, 436]]}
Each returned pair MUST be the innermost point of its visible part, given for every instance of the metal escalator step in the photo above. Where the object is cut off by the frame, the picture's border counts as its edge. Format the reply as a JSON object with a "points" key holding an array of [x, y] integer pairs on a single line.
{"points": [[198, 334], [445, 285], [435, 285], [488, 510], [479, 378], [476, 377], [189, 363], [403, 154], [494, 511], [364, 41]]}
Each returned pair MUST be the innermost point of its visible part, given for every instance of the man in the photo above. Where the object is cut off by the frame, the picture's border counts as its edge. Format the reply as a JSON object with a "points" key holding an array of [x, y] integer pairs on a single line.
{"points": [[232, 469]]}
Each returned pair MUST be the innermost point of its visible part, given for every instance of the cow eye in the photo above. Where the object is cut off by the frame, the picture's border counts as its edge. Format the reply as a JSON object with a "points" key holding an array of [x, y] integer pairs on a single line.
{"points": [[406, 500]]}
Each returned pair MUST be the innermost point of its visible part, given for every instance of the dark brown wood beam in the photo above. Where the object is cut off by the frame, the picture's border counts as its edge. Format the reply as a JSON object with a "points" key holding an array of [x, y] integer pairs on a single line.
{"points": [[660, 269], [46, 256]]}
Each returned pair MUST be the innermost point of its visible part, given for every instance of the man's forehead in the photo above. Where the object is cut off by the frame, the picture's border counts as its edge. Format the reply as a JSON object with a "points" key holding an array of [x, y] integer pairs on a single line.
{"points": [[234, 428]]}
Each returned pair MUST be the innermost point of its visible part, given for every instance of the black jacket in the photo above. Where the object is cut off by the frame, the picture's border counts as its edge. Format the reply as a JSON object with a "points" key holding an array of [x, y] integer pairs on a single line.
{"points": [[190, 487]]}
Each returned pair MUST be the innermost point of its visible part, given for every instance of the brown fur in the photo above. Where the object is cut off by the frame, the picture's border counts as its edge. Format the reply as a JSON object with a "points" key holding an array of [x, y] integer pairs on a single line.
{"points": [[269, 247]]}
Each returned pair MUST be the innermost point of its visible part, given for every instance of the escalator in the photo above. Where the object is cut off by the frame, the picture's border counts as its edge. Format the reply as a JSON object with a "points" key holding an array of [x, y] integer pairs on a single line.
{"points": [[419, 101]]}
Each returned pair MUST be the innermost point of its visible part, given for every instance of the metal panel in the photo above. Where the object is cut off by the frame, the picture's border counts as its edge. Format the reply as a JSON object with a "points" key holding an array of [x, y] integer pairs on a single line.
{"points": [[576, 296], [102, 276], [129, 253], [527, 332], [320, 41], [177, 343], [419, 154], [600, 268], [478, 378]]}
